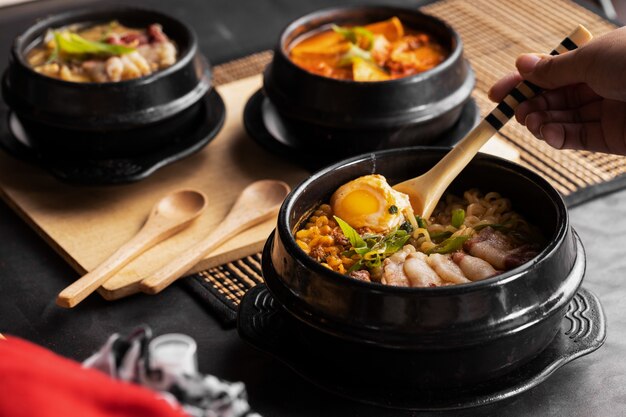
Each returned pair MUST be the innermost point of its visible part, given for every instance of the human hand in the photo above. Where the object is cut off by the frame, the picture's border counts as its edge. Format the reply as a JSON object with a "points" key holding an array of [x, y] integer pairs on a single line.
{"points": [[584, 106]]}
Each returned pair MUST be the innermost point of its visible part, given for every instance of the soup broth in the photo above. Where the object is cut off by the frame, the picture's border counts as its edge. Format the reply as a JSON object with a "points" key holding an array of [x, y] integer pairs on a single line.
{"points": [[108, 52], [375, 52]]}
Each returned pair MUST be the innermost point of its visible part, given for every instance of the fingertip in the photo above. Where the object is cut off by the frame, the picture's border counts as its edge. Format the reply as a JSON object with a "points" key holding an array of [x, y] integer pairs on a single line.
{"points": [[533, 123], [553, 134], [495, 93], [503, 86], [526, 63]]}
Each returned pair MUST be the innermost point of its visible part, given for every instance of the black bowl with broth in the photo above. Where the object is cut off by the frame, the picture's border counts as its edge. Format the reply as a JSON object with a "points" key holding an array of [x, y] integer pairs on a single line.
{"points": [[351, 117], [458, 334], [109, 118]]}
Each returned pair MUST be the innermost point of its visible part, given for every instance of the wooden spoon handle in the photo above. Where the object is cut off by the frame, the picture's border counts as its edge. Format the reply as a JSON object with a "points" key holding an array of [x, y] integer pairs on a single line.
{"points": [[230, 226], [81, 288], [452, 164], [160, 279]]}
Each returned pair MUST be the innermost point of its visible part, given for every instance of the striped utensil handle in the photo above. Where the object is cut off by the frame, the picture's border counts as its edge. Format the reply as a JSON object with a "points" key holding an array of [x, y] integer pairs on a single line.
{"points": [[525, 89]]}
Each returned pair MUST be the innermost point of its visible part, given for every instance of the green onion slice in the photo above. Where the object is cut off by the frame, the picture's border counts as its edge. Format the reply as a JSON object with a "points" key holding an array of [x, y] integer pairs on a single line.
{"points": [[458, 217], [74, 44]]}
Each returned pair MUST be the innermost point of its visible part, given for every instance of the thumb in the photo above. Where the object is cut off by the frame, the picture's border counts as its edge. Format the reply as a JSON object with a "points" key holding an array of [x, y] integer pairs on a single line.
{"points": [[551, 72]]}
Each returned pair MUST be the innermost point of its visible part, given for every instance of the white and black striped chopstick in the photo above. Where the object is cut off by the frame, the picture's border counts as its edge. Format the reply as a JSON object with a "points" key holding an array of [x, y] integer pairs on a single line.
{"points": [[525, 89]]}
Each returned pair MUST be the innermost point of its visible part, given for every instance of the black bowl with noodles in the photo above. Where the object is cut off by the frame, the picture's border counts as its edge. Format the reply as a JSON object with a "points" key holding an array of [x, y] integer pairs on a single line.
{"points": [[352, 117], [106, 119], [454, 335]]}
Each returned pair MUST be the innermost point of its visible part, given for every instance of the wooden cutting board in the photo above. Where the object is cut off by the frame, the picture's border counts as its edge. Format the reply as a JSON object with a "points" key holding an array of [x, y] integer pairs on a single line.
{"points": [[87, 224]]}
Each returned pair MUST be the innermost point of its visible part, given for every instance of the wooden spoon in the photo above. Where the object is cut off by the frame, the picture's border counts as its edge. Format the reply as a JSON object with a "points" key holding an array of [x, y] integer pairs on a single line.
{"points": [[169, 216], [426, 190], [258, 202]]}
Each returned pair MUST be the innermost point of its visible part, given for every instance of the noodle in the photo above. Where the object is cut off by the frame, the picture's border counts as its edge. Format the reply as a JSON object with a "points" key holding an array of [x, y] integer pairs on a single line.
{"points": [[322, 238]]}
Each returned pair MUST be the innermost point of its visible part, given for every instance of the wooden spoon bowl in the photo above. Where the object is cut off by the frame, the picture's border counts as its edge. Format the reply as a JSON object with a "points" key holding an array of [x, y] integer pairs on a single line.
{"points": [[258, 202], [168, 216]]}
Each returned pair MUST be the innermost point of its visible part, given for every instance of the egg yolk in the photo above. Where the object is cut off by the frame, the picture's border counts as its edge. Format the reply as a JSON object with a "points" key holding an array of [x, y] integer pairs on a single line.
{"points": [[359, 203]]}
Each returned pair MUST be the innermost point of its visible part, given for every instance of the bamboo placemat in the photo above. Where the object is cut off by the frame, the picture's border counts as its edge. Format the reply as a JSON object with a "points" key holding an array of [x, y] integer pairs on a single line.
{"points": [[494, 34]]}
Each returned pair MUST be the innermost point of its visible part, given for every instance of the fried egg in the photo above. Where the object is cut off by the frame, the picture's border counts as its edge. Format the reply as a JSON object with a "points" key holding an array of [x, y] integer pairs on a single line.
{"points": [[369, 201]]}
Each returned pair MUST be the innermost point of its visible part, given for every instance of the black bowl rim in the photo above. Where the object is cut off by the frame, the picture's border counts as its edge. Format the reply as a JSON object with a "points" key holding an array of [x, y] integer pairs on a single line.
{"points": [[450, 59], [75, 16], [299, 255], [204, 85]]}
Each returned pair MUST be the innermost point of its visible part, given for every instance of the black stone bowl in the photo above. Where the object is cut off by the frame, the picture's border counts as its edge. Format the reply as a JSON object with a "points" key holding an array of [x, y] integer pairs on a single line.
{"points": [[451, 335], [99, 119], [353, 117]]}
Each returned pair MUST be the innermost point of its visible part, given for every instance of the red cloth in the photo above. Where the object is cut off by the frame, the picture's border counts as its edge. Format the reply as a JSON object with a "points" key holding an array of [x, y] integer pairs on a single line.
{"points": [[35, 382]]}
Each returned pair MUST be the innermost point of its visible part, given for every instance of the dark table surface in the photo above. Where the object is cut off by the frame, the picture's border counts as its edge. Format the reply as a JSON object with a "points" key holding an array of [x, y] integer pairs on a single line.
{"points": [[31, 273]]}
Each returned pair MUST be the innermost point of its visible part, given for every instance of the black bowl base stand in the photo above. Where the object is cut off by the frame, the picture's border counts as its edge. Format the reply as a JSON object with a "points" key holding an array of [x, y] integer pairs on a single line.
{"points": [[80, 170], [267, 327], [266, 127]]}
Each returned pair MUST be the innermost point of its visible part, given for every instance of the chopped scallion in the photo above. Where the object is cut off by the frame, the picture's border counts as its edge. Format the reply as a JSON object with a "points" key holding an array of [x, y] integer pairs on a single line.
{"points": [[74, 44], [458, 217], [449, 245]]}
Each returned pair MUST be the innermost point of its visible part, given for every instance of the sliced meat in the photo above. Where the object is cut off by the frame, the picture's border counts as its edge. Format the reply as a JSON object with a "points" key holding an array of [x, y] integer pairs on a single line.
{"points": [[96, 70], [140, 62], [361, 275], [473, 268], [155, 31], [167, 54], [490, 246], [419, 273], [114, 68], [446, 268], [134, 39], [520, 255], [393, 268], [495, 248], [129, 69]]}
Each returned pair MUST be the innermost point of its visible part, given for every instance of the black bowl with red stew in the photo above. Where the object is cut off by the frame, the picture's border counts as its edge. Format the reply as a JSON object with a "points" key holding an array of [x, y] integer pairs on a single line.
{"points": [[94, 78], [355, 79], [452, 333]]}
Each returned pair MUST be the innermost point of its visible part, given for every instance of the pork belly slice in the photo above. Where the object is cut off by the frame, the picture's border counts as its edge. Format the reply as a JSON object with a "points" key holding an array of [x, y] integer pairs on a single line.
{"points": [[473, 268], [489, 246], [520, 256], [497, 249], [393, 268], [419, 273], [361, 275], [447, 270]]}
